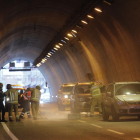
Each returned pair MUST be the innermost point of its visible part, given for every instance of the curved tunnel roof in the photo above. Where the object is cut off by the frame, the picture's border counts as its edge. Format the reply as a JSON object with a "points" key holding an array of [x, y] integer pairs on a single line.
{"points": [[107, 47]]}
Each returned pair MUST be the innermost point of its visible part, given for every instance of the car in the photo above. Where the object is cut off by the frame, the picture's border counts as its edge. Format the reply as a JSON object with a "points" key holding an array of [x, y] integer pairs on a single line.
{"points": [[21, 89], [121, 99], [63, 95], [80, 98]]}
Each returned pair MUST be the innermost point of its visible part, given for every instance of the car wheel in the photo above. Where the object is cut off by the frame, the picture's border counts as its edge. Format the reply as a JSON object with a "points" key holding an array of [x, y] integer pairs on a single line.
{"points": [[115, 116], [105, 115]]}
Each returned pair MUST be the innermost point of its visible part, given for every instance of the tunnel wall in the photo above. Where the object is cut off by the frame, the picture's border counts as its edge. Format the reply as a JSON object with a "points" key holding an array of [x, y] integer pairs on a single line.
{"points": [[108, 47]]}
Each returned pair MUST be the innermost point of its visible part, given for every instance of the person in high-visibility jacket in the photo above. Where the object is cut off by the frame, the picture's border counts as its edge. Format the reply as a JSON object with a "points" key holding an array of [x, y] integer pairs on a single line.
{"points": [[96, 94], [2, 109], [13, 102], [26, 103], [35, 98]]}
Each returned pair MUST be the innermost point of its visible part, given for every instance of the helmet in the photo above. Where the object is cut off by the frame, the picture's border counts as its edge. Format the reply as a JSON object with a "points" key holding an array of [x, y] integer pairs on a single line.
{"points": [[38, 87], [8, 86], [1, 85]]}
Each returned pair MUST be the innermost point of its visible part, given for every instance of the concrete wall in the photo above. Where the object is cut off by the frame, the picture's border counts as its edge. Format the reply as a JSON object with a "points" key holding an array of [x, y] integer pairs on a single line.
{"points": [[108, 47]]}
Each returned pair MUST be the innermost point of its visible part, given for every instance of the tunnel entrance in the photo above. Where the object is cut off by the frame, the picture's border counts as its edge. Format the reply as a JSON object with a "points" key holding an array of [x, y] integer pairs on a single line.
{"points": [[22, 73]]}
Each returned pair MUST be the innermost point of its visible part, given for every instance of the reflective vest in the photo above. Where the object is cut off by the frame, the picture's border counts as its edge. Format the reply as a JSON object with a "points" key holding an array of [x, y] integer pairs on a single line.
{"points": [[95, 90], [27, 95], [35, 95], [13, 95]]}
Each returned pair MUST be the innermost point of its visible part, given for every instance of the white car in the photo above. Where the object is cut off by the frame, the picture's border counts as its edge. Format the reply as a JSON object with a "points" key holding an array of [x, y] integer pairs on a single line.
{"points": [[63, 95], [121, 99]]}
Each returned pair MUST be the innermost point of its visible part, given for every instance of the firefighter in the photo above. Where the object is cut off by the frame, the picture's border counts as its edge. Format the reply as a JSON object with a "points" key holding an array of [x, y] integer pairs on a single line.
{"points": [[96, 94], [35, 98], [2, 109], [26, 103], [13, 102]]}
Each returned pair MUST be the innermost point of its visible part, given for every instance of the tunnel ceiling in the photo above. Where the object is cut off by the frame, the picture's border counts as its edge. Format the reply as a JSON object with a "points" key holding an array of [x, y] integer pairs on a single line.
{"points": [[107, 47], [28, 26]]}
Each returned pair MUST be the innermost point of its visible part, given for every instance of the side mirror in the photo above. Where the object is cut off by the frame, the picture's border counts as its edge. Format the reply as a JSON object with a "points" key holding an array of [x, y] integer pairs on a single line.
{"points": [[108, 94], [59, 91]]}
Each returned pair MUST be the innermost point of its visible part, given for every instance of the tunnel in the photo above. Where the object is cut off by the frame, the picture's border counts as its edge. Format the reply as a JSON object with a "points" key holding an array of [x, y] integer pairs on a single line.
{"points": [[69, 40]]}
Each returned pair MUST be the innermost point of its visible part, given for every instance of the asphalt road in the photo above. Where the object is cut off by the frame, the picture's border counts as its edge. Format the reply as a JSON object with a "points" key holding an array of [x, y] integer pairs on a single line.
{"points": [[55, 125]]}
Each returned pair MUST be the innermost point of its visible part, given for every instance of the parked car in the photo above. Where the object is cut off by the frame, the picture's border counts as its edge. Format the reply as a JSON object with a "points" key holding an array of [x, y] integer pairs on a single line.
{"points": [[63, 95], [21, 90], [121, 99], [80, 98]]}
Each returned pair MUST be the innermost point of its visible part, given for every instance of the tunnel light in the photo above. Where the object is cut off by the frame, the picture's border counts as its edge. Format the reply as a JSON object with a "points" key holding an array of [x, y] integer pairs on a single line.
{"points": [[109, 2], [63, 41], [74, 31], [49, 54], [98, 9], [83, 21], [57, 46], [79, 26], [74, 34], [52, 96], [70, 35], [55, 49], [90, 16], [60, 44], [66, 38], [56, 96]]}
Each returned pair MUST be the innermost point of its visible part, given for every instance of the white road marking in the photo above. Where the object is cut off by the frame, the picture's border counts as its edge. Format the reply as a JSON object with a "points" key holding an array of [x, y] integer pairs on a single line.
{"points": [[97, 126], [13, 137], [115, 132], [81, 121], [136, 138]]}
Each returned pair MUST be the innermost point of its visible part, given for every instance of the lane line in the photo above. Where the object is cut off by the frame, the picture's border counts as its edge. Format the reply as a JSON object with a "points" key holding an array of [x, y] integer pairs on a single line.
{"points": [[82, 121], [115, 132], [13, 137], [136, 138], [97, 126]]}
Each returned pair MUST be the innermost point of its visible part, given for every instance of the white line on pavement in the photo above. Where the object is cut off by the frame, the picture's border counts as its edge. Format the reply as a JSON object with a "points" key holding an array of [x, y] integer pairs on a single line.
{"points": [[136, 138], [81, 121], [13, 137], [97, 126], [115, 132]]}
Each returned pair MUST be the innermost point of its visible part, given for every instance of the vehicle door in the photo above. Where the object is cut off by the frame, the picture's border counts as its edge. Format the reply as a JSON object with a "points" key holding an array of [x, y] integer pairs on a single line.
{"points": [[72, 97], [108, 98]]}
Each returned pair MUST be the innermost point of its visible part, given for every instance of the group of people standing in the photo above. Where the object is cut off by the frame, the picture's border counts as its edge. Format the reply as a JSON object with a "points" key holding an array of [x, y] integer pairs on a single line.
{"points": [[30, 95]]}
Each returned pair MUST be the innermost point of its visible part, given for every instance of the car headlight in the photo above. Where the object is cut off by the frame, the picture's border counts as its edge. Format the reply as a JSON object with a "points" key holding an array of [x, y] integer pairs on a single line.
{"points": [[66, 96], [7, 99], [121, 103]]}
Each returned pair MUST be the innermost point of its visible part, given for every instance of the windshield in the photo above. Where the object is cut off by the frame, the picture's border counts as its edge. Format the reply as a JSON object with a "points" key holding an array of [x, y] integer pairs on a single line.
{"points": [[83, 89], [127, 89], [67, 89]]}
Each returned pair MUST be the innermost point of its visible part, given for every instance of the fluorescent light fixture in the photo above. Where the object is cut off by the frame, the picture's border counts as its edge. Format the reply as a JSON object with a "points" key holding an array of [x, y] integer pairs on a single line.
{"points": [[74, 31], [70, 35], [83, 21], [60, 44], [66, 38], [64, 41], [55, 49], [74, 34], [57, 46], [90, 16], [49, 54], [98, 9]]}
